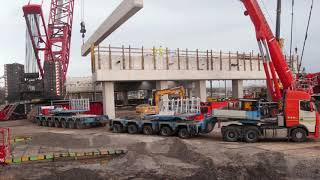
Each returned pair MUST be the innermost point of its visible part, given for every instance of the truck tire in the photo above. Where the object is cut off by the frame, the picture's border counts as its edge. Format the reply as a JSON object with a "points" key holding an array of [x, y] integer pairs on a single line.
{"points": [[132, 129], [183, 133], [71, 125], [147, 130], [165, 131], [64, 124], [117, 128], [57, 124], [231, 134], [299, 135], [251, 134]]}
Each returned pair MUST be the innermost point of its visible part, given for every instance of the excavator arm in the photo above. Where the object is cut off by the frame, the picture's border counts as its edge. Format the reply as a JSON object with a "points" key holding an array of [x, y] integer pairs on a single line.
{"points": [[177, 90]]}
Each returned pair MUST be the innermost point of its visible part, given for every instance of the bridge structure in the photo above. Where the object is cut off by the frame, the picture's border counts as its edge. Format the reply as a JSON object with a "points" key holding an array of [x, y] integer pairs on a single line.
{"points": [[160, 68], [191, 68]]}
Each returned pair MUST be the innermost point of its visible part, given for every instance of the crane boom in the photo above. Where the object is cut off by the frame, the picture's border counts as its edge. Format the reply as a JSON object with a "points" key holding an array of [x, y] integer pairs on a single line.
{"points": [[52, 41], [273, 59]]}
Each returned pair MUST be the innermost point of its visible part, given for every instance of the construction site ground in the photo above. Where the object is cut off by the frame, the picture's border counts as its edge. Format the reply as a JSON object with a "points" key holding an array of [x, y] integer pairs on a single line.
{"points": [[156, 157]]}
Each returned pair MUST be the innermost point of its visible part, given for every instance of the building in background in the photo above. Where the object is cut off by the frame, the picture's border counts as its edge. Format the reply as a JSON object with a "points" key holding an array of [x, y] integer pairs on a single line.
{"points": [[14, 76]]}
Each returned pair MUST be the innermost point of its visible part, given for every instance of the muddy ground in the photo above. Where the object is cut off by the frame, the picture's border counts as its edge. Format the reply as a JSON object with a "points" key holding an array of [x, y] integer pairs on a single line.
{"points": [[154, 157]]}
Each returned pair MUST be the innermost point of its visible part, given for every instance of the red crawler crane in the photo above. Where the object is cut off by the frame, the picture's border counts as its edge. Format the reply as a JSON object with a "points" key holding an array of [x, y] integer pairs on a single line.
{"points": [[51, 43]]}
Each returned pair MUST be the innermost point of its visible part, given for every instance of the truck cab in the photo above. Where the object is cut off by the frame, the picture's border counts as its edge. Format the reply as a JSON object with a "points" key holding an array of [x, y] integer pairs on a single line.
{"points": [[300, 112]]}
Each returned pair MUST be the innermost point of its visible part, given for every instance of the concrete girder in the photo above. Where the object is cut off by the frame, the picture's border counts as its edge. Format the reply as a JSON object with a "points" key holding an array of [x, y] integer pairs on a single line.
{"points": [[119, 16]]}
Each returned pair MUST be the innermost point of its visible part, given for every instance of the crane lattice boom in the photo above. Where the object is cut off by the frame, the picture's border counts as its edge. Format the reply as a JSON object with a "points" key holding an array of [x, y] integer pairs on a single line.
{"points": [[51, 43]]}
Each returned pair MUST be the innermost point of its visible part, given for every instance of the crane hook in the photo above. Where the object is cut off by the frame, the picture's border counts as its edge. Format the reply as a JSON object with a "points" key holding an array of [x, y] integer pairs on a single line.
{"points": [[83, 30]]}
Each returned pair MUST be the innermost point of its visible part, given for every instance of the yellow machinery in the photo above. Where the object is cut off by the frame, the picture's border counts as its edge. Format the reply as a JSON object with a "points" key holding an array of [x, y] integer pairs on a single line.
{"points": [[148, 109]]}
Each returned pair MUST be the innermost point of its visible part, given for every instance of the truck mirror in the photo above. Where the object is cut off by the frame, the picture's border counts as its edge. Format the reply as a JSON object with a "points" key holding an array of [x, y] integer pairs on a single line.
{"points": [[311, 107]]}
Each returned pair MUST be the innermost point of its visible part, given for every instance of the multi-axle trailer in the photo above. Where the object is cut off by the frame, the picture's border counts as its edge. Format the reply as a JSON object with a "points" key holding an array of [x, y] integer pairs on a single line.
{"points": [[73, 119], [163, 125], [250, 121]]}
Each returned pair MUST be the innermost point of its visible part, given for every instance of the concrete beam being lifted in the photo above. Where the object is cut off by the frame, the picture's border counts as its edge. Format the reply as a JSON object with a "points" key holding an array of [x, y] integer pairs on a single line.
{"points": [[119, 16]]}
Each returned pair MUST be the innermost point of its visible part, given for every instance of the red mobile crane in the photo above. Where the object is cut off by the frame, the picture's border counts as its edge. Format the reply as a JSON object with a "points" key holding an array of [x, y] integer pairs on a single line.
{"points": [[51, 43], [297, 115]]}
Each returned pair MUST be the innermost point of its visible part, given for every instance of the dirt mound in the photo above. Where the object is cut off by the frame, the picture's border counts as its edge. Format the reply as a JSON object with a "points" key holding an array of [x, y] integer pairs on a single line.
{"points": [[169, 158], [74, 174]]}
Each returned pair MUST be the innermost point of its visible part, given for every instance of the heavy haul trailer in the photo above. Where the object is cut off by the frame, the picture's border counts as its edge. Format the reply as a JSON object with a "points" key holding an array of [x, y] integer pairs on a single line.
{"points": [[73, 119], [163, 125], [297, 119]]}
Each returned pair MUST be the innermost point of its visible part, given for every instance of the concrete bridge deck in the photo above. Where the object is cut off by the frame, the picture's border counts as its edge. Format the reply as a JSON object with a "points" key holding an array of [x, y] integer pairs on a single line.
{"points": [[137, 64]]}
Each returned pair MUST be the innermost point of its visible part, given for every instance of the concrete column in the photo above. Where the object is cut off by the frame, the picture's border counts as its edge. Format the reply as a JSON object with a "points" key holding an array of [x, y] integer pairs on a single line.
{"points": [[162, 85], [108, 99], [237, 88], [124, 95], [149, 96], [201, 90]]}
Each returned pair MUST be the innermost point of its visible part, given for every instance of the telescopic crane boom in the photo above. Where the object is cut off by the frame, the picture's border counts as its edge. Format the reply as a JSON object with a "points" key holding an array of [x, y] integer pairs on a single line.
{"points": [[273, 59]]}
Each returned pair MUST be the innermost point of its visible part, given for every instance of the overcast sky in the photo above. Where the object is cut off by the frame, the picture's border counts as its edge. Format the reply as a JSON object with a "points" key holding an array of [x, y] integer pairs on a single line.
{"points": [[211, 24]]}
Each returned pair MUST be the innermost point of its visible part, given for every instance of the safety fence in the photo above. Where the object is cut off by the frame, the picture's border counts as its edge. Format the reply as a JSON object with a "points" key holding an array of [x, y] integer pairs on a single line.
{"points": [[99, 153], [80, 104]]}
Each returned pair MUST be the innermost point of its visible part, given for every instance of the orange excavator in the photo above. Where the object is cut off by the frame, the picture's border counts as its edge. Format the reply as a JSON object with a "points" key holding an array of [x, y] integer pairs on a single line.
{"points": [[148, 109]]}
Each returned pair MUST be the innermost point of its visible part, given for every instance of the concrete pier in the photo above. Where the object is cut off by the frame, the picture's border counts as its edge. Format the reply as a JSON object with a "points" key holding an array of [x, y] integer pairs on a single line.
{"points": [[201, 90], [108, 99], [237, 88]]}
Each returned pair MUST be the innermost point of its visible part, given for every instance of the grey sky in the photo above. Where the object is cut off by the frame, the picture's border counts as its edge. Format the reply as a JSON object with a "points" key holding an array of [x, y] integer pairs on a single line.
{"points": [[211, 24]]}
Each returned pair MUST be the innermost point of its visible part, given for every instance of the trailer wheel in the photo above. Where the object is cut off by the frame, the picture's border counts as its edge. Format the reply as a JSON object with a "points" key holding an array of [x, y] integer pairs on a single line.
{"points": [[183, 133], [230, 134], [117, 128], [79, 124], [44, 123], [57, 124], [147, 130], [165, 131], [299, 135], [64, 124], [71, 125], [251, 134], [210, 128], [50, 123], [39, 122], [132, 129]]}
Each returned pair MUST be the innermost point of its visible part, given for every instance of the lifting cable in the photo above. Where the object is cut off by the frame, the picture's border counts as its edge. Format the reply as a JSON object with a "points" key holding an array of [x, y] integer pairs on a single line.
{"points": [[306, 36], [267, 12], [82, 23], [291, 34]]}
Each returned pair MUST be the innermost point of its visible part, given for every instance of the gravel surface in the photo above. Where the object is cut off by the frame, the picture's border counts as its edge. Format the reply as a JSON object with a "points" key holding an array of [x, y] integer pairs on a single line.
{"points": [[155, 157]]}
